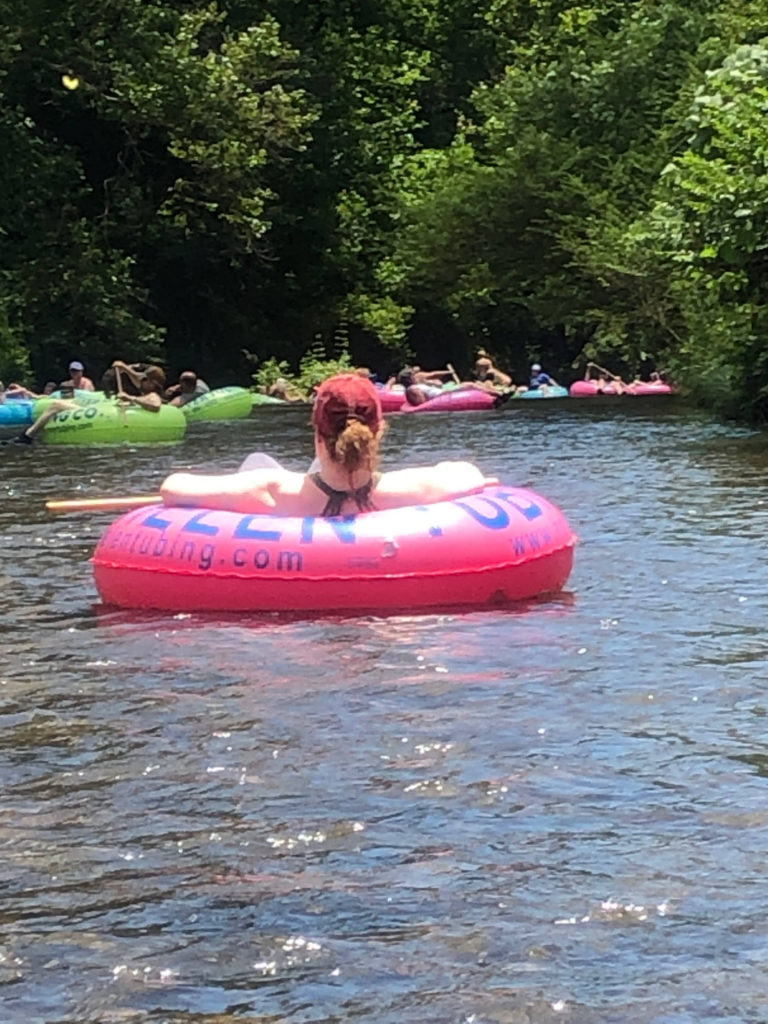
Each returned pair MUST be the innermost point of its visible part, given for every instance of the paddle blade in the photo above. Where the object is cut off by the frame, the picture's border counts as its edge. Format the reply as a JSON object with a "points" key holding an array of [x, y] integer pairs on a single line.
{"points": [[102, 504]]}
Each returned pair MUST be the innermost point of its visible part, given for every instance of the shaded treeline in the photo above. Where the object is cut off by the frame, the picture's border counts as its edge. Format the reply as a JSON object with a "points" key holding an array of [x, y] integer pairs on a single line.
{"points": [[197, 181]]}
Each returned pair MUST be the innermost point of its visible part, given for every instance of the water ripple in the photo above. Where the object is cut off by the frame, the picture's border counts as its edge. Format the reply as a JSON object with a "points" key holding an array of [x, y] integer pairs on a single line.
{"points": [[554, 812]]}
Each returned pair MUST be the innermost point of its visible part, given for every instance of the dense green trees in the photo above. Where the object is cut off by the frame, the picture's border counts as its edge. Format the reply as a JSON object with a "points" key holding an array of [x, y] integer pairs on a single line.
{"points": [[195, 180]]}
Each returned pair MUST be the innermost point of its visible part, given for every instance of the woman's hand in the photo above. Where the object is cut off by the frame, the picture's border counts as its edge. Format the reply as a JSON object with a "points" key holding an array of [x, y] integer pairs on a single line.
{"points": [[464, 477]]}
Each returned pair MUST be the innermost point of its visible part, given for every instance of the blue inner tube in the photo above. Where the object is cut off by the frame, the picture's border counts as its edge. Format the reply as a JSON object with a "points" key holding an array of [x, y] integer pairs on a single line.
{"points": [[544, 391], [16, 413]]}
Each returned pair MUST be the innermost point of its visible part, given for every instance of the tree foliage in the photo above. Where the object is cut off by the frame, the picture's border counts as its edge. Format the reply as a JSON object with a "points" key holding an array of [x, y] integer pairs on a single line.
{"points": [[191, 180]]}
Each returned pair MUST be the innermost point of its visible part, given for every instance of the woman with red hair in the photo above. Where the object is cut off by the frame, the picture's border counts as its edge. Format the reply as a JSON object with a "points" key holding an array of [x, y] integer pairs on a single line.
{"points": [[348, 426]]}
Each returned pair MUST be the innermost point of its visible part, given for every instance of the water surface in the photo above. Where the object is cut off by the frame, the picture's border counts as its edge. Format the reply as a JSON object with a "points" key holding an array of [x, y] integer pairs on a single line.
{"points": [[554, 812]]}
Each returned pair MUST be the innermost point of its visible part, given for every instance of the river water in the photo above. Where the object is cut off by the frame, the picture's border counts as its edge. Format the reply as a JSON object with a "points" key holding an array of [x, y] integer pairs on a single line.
{"points": [[556, 812]]}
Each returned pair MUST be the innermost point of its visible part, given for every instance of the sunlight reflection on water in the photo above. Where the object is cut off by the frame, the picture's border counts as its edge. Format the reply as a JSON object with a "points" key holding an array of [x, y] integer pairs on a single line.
{"points": [[549, 812]]}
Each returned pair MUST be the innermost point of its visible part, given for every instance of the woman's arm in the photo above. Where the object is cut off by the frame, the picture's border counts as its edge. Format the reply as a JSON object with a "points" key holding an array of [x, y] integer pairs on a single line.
{"points": [[428, 484], [19, 389], [254, 491], [440, 375], [151, 403]]}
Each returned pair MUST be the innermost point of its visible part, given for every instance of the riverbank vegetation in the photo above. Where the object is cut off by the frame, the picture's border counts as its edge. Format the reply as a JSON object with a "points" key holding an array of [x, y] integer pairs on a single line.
{"points": [[213, 183]]}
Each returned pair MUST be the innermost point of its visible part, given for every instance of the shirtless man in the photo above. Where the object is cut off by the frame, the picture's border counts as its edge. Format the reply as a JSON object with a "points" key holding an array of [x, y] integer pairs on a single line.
{"points": [[189, 387]]}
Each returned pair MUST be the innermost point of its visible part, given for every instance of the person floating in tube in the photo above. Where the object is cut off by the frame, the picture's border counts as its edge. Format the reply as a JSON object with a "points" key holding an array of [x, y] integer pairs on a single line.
{"points": [[348, 428]]}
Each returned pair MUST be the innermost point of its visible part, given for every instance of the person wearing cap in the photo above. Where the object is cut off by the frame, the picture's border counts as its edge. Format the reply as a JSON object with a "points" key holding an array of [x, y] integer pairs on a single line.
{"points": [[189, 387], [539, 378], [76, 375], [348, 425]]}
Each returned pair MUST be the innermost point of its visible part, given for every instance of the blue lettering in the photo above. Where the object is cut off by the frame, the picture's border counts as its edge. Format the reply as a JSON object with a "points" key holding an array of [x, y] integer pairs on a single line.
{"points": [[195, 525], [155, 522], [497, 522], [343, 528], [243, 531], [238, 557], [528, 508]]}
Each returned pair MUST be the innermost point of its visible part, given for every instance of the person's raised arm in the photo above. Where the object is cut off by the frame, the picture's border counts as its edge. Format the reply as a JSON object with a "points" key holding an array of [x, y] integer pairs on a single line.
{"points": [[436, 374], [130, 372], [20, 391]]}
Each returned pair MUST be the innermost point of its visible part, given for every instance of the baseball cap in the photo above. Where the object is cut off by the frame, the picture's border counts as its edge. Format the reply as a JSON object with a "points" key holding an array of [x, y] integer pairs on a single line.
{"points": [[536, 368], [75, 365]]}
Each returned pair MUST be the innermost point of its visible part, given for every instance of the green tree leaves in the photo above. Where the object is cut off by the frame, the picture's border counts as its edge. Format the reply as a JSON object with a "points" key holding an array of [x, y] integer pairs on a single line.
{"points": [[584, 180]]}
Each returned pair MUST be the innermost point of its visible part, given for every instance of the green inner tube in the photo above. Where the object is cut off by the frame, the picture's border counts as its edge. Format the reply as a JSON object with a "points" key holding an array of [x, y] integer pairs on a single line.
{"points": [[231, 403], [81, 396], [110, 422], [258, 399]]}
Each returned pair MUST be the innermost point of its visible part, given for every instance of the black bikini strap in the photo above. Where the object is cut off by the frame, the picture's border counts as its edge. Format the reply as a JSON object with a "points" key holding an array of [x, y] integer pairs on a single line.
{"points": [[361, 496]]}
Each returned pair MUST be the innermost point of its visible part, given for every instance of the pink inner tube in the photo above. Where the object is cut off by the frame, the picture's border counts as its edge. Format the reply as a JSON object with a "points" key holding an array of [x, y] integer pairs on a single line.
{"points": [[502, 544], [589, 388], [392, 399], [646, 388], [456, 400]]}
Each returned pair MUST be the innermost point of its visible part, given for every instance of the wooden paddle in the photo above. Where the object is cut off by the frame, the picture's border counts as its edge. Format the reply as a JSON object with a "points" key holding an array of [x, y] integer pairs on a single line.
{"points": [[256, 460], [101, 504]]}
